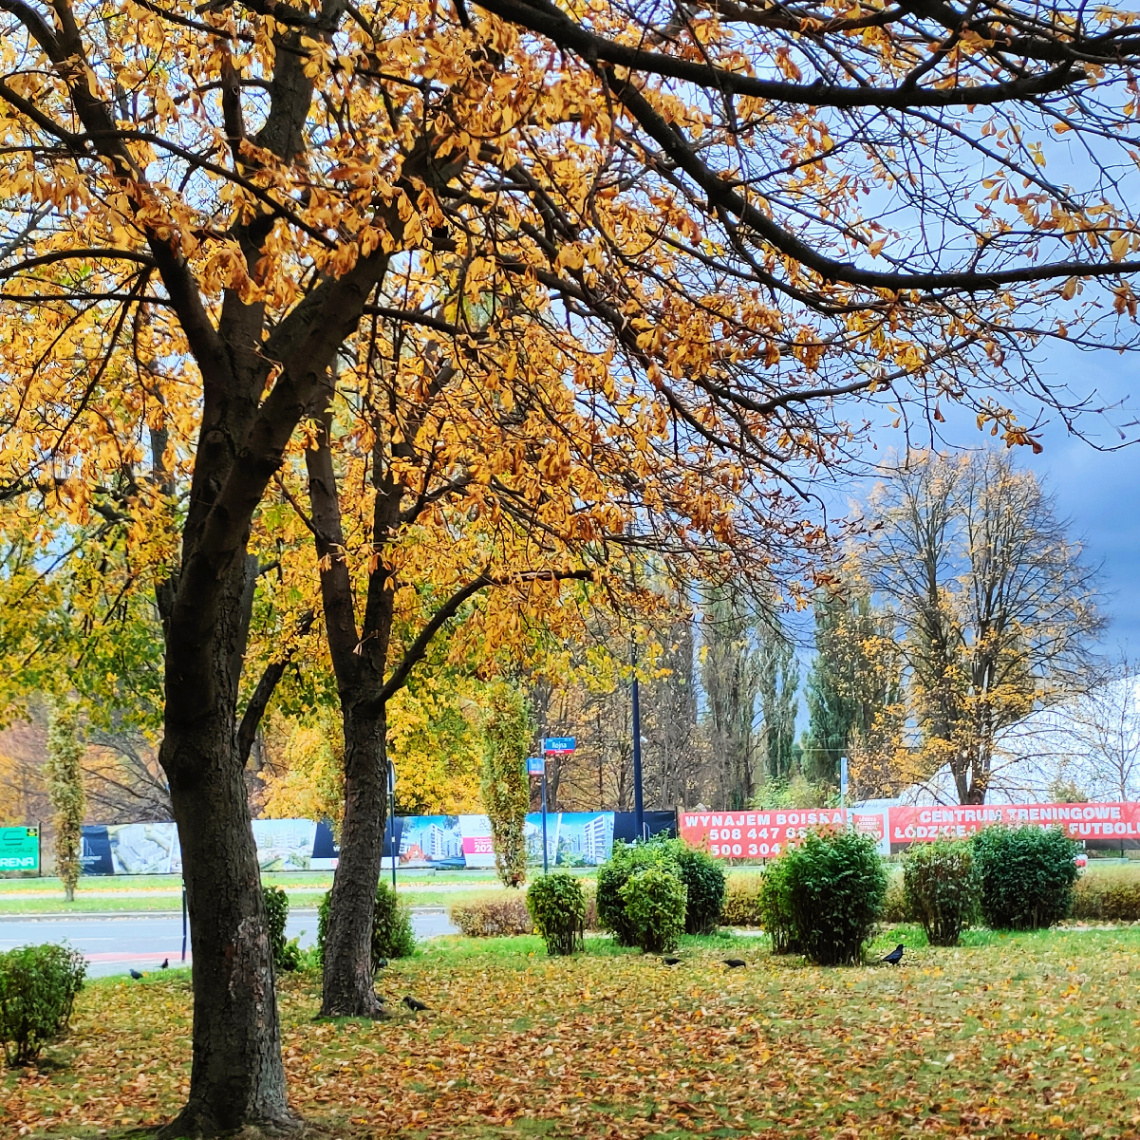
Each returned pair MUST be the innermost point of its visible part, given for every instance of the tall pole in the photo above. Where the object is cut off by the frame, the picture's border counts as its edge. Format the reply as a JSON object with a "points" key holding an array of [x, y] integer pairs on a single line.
{"points": [[545, 868], [184, 924], [392, 819], [638, 804]]}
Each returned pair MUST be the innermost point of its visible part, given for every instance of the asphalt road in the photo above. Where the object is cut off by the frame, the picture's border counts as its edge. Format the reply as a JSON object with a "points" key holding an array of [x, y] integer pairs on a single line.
{"points": [[115, 945]]}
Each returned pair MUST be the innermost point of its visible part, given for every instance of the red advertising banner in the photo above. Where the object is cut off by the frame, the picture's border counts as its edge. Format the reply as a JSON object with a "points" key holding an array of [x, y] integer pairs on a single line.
{"points": [[754, 834], [1079, 821], [765, 834]]}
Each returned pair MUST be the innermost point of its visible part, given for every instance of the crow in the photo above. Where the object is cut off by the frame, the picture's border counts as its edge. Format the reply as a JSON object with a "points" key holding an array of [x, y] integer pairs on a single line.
{"points": [[895, 956], [136, 975], [381, 964], [733, 963], [670, 961], [165, 964], [414, 1005]]}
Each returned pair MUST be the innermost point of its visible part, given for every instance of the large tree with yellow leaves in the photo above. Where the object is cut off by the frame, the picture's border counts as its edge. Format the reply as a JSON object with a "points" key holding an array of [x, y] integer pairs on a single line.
{"points": [[725, 217]]}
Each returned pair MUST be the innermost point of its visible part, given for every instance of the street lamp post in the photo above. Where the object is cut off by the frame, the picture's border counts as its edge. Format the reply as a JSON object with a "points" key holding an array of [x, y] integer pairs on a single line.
{"points": [[392, 819], [638, 802]]}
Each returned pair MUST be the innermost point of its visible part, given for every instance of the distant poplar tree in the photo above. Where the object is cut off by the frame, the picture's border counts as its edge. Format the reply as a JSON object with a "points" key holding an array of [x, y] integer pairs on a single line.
{"points": [[507, 732], [64, 777]]}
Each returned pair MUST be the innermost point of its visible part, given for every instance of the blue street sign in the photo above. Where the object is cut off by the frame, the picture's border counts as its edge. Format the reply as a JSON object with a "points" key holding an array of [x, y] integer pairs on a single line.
{"points": [[843, 776], [535, 765], [558, 744]]}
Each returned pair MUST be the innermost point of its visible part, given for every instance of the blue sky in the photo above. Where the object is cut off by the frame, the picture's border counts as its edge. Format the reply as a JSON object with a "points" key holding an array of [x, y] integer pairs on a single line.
{"points": [[1097, 490]]}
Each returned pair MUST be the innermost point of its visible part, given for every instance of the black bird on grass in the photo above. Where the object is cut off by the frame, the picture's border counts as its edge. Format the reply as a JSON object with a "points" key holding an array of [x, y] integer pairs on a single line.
{"points": [[165, 964], [735, 963], [895, 956], [670, 961], [414, 1005], [136, 975]]}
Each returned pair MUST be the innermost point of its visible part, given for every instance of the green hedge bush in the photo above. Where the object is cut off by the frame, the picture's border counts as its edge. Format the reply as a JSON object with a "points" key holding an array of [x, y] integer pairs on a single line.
{"points": [[1027, 876], [627, 860], [704, 877], [942, 888], [558, 907], [38, 985], [653, 903], [286, 954], [776, 913], [834, 886], [392, 935], [497, 916]]}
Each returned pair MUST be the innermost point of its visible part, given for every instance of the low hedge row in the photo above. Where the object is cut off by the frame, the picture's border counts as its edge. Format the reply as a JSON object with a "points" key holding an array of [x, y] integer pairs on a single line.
{"points": [[1107, 897], [502, 914], [1097, 897]]}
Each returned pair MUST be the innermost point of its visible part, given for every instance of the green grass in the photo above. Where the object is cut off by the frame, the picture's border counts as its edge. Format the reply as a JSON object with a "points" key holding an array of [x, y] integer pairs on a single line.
{"points": [[117, 893], [1027, 1035], [55, 904]]}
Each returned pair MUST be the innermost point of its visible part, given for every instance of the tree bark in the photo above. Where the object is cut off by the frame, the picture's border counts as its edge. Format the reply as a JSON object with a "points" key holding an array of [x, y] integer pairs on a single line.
{"points": [[348, 989], [237, 1075]]}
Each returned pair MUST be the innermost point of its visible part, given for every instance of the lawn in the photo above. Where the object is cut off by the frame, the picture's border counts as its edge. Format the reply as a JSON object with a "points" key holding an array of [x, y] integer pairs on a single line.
{"points": [[115, 893], [1016, 1035]]}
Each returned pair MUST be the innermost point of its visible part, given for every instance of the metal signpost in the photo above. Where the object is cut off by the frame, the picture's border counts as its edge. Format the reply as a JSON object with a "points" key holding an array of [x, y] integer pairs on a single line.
{"points": [[536, 766], [843, 781], [392, 818], [638, 801], [557, 746]]}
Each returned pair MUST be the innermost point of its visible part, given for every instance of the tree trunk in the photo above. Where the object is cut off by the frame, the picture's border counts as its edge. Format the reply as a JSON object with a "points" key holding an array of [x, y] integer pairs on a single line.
{"points": [[237, 1077], [348, 988]]}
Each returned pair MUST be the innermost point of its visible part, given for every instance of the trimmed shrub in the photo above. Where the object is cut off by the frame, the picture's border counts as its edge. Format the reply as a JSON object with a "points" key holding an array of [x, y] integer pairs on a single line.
{"points": [[38, 985], [834, 886], [392, 935], [1027, 876], [558, 908], [895, 907], [1107, 896], [654, 908], [775, 905], [742, 901], [941, 887], [626, 861], [286, 955], [590, 894], [497, 916], [705, 880]]}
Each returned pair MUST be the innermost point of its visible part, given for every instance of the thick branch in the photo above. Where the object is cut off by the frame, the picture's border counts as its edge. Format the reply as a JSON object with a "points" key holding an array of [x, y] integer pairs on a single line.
{"points": [[415, 652], [259, 702], [546, 19]]}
